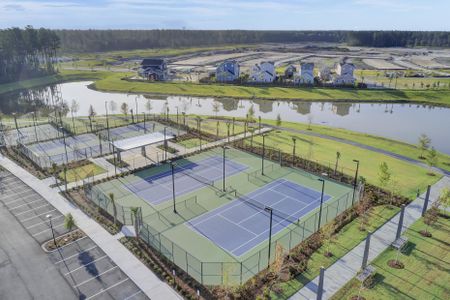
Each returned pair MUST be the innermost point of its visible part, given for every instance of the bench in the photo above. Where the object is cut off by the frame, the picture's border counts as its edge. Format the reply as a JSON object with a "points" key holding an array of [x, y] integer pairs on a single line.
{"points": [[400, 242]]}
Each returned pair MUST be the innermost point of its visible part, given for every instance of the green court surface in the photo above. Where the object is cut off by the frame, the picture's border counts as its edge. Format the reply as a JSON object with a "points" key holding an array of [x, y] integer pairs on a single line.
{"points": [[174, 235]]}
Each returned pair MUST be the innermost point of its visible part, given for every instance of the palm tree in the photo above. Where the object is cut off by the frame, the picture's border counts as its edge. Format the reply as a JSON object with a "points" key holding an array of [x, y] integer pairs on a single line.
{"points": [[338, 156], [113, 202], [54, 171], [69, 222], [134, 212]]}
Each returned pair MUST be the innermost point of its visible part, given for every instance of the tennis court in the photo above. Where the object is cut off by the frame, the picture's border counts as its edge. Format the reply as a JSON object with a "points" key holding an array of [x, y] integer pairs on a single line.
{"points": [[132, 130], [242, 224], [188, 177]]}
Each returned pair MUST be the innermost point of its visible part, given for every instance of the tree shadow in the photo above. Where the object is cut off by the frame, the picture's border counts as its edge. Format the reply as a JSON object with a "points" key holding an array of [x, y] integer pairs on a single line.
{"points": [[86, 259]]}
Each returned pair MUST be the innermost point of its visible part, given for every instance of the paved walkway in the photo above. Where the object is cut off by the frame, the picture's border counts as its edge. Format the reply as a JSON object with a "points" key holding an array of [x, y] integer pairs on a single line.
{"points": [[146, 280], [338, 274]]}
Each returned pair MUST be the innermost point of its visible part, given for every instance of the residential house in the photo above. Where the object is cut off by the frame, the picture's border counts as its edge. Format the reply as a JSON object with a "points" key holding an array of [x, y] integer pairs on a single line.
{"points": [[228, 71], [290, 71], [263, 72], [344, 74], [154, 69], [325, 74], [306, 73]]}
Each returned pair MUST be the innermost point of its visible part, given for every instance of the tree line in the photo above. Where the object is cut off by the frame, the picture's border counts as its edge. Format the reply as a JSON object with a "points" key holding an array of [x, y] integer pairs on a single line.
{"points": [[106, 40], [27, 53]]}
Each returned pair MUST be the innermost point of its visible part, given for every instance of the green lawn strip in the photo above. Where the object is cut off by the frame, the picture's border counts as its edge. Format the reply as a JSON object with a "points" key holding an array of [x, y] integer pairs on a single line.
{"points": [[82, 172], [406, 177], [398, 147], [114, 83], [63, 76], [348, 238], [425, 275], [191, 143]]}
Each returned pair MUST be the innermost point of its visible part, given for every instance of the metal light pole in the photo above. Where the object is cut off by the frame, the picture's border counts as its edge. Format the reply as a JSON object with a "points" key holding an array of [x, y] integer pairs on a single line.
{"points": [[65, 145], [268, 209], [107, 121], [224, 160], [49, 217], [172, 167], [177, 114], [356, 179], [259, 119], [34, 123], [136, 105], [294, 140], [321, 202], [132, 116], [263, 153], [165, 144]]}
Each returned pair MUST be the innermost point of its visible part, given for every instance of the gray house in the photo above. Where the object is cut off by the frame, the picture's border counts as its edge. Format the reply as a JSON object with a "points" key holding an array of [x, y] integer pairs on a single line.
{"points": [[228, 71], [154, 69]]}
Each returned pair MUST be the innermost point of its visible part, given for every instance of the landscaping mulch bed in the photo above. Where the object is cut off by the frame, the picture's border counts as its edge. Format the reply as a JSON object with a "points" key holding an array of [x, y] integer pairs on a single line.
{"points": [[425, 233], [357, 298], [395, 264], [63, 240]]}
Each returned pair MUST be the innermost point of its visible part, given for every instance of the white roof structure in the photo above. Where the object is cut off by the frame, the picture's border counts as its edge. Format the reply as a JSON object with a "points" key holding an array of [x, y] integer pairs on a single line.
{"points": [[142, 140]]}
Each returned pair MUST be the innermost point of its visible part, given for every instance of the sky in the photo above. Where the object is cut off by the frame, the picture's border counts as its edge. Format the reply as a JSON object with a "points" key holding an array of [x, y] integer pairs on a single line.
{"points": [[228, 14]]}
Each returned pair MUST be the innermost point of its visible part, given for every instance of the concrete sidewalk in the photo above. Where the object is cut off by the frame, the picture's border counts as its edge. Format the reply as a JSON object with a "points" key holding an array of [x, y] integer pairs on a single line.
{"points": [[146, 280], [343, 270]]}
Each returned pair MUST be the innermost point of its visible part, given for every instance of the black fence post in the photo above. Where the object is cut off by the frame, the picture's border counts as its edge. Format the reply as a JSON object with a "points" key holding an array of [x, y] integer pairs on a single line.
{"points": [[400, 222], [427, 198]]}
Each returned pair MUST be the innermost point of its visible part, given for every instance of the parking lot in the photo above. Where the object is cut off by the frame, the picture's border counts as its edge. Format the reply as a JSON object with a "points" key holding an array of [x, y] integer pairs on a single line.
{"points": [[86, 268]]}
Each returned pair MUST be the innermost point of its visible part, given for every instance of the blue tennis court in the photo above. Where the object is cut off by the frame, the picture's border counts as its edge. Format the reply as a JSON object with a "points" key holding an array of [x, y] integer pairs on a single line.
{"points": [[239, 226], [157, 188]]}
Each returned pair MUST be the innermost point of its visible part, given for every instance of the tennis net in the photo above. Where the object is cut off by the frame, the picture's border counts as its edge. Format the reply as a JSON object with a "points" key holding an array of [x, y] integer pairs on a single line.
{"points": [[193, 175], [262, 206], [257, 173]]}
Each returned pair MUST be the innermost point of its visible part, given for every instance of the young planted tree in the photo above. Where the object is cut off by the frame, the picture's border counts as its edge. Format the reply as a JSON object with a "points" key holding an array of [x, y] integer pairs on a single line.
{"points": [[384, 174], [251, 113], [148, 106], [328, 238], [113, 203], [362, 209], [217, 129], [91, 112], [424, 144], [74, 107], [216, 107], [278, 120], [444, 199], [54, 171], [69, 222], [338, 156], [431, 159], [430, 218], [112, 106], [124, 109]]}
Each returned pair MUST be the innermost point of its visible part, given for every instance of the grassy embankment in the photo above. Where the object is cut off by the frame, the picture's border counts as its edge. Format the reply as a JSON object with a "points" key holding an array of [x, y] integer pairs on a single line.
{"points": [[397, 147], [114, 83], [63, 76], [425, 275]]}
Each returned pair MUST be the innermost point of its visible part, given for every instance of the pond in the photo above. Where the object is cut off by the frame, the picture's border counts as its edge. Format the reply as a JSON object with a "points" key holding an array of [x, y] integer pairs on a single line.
{"points": [[404, 122]]}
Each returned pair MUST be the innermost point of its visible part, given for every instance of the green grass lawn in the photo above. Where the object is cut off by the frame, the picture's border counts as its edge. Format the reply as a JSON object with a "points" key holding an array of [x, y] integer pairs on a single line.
{"points": [[191, 143], [348, 238], [426, 273], [406, 177], [82, 172], [405, 149], [114, 83], [63, 76]]}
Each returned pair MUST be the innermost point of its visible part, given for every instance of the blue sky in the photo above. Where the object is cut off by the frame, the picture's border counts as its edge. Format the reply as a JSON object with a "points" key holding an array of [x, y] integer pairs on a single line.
{"points": [[228, 14]]}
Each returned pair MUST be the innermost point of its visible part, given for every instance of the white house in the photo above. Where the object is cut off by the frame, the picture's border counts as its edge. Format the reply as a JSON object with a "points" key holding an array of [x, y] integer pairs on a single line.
{"points": [[306, 73], [228, 71], [264, 72], [344, 74]]}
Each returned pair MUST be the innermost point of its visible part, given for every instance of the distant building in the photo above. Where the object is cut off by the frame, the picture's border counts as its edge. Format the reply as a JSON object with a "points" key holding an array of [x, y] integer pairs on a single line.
{"points": [[290, 71], [154, 69], [325, 74], [306, 73], [228, 71], [264, 72], [344, 74]]}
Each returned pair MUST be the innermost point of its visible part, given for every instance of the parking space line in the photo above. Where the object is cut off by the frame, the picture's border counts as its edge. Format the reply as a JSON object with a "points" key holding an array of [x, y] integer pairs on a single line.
{"points": [[61, 247], [86, 281], [69, 257], [28, 219], [20, 199], [43, 222], [80, 267], [15, 207], [16, 196], [132, 296], [110, 287], [45, 230], [33, 209]]}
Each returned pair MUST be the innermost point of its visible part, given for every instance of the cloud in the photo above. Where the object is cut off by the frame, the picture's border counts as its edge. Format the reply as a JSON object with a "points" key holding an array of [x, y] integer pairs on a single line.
{"points": [[13, 7]]}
